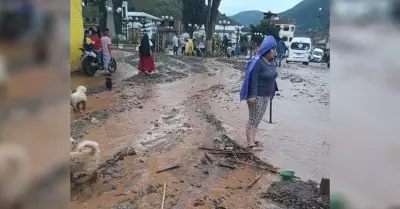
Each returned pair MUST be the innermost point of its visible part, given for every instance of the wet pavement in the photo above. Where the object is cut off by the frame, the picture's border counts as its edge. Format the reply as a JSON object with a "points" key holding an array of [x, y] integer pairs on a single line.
{"points": [[188, 102]]}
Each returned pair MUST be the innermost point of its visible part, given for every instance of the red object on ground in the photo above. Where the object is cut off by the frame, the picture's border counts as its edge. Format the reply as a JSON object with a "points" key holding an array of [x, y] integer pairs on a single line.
{"points": [[146, 64]]}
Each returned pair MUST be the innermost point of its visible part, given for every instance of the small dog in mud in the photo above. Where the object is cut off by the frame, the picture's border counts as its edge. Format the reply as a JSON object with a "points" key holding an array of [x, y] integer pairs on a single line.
{"points": [[85, 160], [73, 143], [14, 170], [78, 98], [109, 83]]}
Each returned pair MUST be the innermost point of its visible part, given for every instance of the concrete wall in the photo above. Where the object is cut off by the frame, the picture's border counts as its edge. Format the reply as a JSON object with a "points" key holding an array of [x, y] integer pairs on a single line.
{"points": [[76, 33]]}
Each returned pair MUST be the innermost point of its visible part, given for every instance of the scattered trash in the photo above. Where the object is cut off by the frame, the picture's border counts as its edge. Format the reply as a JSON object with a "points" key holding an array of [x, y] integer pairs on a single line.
{"points": [[95, 121]]}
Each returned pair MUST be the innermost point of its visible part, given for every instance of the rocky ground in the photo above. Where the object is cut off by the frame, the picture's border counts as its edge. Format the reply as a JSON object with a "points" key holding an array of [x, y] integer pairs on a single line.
{"points": [[150, 123]]}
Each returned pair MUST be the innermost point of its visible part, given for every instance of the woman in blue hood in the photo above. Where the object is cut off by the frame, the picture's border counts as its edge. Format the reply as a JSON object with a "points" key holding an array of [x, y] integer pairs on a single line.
{"points": [[259, 87]]}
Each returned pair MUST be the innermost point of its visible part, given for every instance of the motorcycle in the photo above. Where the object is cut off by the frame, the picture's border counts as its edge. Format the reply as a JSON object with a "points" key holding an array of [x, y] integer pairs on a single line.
{"points": [[91, 64]]}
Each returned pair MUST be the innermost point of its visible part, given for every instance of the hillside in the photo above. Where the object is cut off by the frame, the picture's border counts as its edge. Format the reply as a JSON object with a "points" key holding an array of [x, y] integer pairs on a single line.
{"points": [[248, 17], [304, 13]]}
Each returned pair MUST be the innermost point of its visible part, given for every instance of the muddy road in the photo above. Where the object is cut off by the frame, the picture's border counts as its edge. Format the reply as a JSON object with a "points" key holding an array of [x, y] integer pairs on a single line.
{"points": [[190, 102]]}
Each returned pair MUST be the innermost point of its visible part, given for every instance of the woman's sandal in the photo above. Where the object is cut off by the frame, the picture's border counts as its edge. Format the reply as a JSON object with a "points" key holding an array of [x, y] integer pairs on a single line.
{"points": [[254, 148], [257, 142]]}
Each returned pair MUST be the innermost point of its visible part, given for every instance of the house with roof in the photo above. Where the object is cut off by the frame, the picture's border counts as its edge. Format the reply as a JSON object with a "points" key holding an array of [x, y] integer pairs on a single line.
{"points": [[287, 27]]}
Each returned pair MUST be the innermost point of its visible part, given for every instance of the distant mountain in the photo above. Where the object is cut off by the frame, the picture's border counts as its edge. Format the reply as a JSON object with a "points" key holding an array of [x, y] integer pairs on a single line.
{"points": [[305, 13], [248, 17]]}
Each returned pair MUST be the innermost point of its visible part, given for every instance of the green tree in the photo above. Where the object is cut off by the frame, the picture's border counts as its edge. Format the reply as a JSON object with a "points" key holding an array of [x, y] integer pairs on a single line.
{"points": [[193, 11], [265, 28]]}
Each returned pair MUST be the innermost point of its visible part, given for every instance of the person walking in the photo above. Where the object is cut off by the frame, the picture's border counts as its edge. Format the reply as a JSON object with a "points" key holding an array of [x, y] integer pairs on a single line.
{"points": [[281, 48], [259, 87], [146, 61], [106, 46], [183, 45], [189, 48], [175, 42], [238, 50]]}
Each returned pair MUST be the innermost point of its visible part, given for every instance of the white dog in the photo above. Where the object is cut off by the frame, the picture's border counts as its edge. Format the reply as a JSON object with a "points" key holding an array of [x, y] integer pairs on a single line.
{"points": [[14, 170], [78, 98], [85, 159]]}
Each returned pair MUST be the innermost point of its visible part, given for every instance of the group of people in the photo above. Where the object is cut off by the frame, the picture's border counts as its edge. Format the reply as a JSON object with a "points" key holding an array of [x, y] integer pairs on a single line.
{"points": [[188, 46], [101, 45]]}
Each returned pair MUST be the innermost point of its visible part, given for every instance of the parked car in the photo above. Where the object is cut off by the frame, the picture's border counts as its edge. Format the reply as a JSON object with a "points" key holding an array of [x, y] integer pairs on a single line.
{"points": [[299, 50], [316, 55]]}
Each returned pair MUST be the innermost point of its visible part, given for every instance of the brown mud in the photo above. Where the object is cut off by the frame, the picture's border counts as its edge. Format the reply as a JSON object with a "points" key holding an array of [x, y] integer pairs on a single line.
{"points": [[163, 118]]}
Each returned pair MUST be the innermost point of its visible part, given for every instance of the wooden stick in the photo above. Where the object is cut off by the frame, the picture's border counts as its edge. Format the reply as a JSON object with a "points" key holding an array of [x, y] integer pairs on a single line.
{"points": [[270, 110], [211, 149], [226, 166], [257, 166], [256, 179], [169, 168], [163, 197], [230, 153]]}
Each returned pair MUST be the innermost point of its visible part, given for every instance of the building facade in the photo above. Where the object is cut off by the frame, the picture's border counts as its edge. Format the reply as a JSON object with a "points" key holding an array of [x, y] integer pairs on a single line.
{"points": [[287, 27]]}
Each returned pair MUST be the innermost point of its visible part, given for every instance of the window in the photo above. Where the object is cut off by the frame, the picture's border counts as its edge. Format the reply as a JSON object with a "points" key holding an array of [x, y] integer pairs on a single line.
{"points": [[318, 53], [292, 28], [123, 11], [300, 46], [290, 39], [285, 28], [285, 38]]}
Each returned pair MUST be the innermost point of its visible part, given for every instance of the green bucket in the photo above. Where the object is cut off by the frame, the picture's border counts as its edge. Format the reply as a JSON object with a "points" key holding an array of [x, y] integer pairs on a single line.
{"points": [[287, 175]]}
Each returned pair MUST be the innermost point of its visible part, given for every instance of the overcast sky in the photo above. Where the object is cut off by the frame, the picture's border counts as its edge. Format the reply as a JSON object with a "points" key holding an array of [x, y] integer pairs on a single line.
{"points": [[231, 7]]}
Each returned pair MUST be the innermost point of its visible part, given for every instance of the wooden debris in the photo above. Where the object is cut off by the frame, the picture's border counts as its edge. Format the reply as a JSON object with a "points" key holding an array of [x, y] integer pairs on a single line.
{"points": [[210, 149], [230, 153], [163, 197], [169, 168], [209, 158], [256, 166], [234, 155], [226, 166], [256, 179]]}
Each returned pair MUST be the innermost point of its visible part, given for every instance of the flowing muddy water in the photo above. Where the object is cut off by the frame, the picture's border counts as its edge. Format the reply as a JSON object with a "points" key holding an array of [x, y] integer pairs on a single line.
{"points": [[188, 102]]}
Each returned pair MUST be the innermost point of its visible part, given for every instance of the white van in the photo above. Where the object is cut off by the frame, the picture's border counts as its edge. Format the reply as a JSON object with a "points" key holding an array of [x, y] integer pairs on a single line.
{"points": [[316, 55], [299, 50]]}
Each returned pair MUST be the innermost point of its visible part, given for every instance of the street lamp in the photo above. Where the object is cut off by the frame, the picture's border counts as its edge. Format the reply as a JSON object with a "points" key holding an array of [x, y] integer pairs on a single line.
{"points": [[224, 23], [192, 28]]}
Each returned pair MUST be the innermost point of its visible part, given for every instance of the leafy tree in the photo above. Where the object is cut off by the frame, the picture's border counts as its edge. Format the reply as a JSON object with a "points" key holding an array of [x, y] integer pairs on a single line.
{"points": [[265, 28], [193, 11]]}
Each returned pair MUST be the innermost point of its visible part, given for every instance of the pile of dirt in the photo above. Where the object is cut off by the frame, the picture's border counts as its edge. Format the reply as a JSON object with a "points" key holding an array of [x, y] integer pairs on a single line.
{"points": [[296, 194]]}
